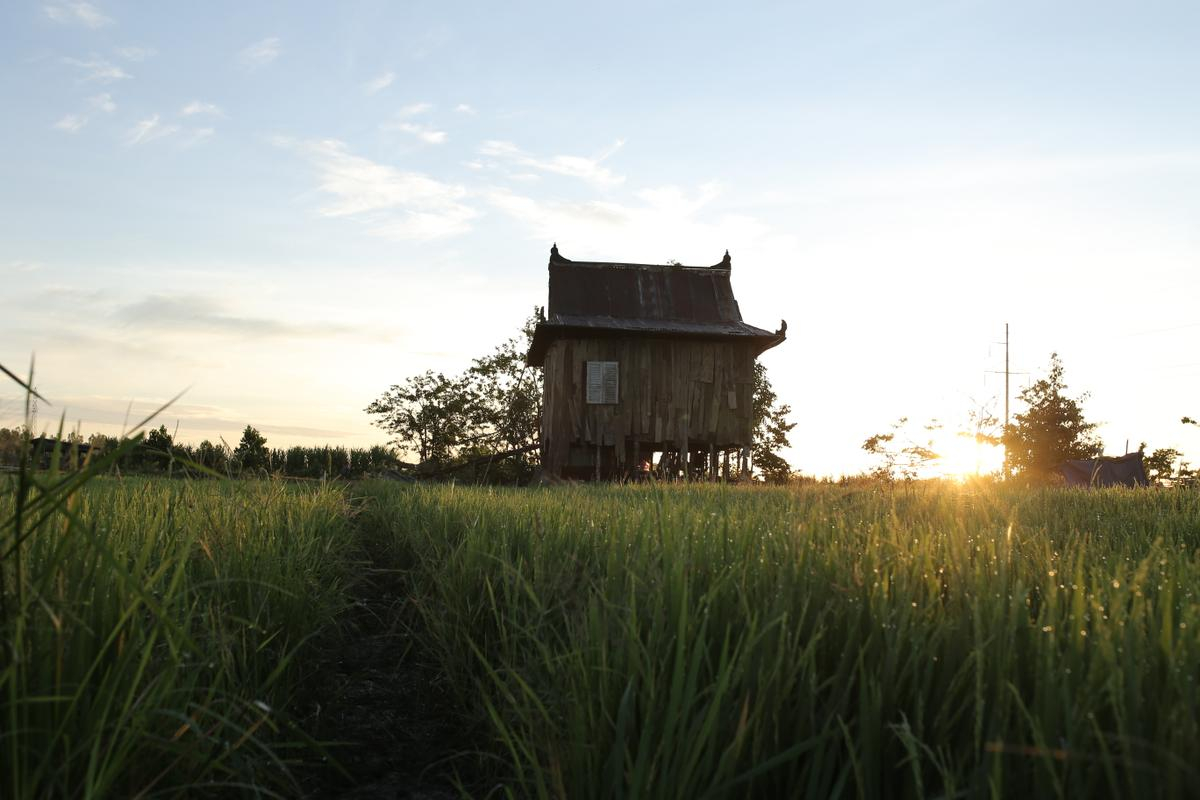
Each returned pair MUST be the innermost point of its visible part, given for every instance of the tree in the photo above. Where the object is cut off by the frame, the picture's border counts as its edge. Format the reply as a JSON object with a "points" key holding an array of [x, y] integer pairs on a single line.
{"points": [[901, 457], [159, 440], [1160, 465], [771, 429], [155, 450], [983, 426], [295, 462], [509, 396], [494, 407], [251, 452], [213, 456], [430, 415], [1052, 429], [11, 442]]}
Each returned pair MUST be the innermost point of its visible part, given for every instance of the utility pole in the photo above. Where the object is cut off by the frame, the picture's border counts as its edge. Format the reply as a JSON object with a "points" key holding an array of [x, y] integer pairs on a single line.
{"points": [[1006, 373]]}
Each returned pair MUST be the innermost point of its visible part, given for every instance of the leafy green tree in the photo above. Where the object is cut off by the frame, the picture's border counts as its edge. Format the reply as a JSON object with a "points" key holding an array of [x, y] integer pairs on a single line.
{"points": [[1160, 465], [771, 429], [155, 451], [213, 456], [10, 445], [429, 415], [336, 461], [508, 393], [159, 440], [377, 458], [1051, 430], [251, 452], [100, 443], [295, 462]]}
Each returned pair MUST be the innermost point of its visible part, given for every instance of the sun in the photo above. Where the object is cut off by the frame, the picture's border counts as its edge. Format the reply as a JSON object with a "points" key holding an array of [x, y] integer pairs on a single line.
{"points": [[961, 457]]}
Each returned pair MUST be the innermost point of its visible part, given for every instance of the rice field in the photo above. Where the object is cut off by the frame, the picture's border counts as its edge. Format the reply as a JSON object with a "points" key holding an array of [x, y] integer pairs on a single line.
{"points": [[150, 632], [708, 641], [680, 641]]}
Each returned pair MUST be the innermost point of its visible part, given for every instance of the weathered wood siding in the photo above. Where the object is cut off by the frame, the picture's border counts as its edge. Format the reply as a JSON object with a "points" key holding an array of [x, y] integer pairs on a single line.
{"points": [[674, 393]]}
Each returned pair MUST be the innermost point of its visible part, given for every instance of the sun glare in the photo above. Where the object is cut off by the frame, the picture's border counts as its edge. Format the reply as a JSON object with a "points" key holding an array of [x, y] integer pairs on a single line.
{"points": [[961, 457]]}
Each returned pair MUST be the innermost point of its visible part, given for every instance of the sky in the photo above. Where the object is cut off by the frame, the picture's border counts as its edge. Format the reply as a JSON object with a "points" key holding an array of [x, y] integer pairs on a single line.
{"points": [[282, 208]]}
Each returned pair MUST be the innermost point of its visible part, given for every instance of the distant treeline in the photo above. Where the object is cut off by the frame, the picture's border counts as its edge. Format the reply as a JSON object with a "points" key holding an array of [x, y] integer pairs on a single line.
{"points": [[160, 454]]}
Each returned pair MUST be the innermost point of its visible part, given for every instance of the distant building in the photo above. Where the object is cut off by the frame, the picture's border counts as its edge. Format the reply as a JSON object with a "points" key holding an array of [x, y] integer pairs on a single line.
{"points": [[645, 359], [1127, 470], [70, 454]]}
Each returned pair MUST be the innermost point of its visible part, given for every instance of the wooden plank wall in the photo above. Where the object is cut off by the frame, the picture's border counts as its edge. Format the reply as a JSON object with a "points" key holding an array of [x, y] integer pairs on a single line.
{"points": [[673, 393]]}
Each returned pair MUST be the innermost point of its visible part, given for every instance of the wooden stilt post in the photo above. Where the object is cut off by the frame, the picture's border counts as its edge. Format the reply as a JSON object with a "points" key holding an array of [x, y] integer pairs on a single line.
{"points": [[685, 454]]}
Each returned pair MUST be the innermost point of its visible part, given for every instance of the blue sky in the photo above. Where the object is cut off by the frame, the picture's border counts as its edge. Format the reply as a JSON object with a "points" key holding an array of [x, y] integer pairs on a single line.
{"points": [[285, 207]]}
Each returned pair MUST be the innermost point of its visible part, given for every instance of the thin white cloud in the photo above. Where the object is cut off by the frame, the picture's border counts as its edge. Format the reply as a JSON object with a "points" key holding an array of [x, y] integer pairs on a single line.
{"points": [[73, 123], [103, 102], [199, 107], [573, 222], [463, 108], [190, 313], [582, 167], [412, 110], [260, 53], [941, 178], [197, 136], [190, 421], [379, 83], [391, 202], [81, 13], [99, 70], [24, 266], [666, 217], [423, 132], [134, 53], [426, 133], [149, 129]]}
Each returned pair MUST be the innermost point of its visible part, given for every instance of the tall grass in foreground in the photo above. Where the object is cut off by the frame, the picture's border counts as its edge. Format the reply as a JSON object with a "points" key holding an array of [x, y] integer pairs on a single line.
{"points": [[637, 642], [149, 630]]}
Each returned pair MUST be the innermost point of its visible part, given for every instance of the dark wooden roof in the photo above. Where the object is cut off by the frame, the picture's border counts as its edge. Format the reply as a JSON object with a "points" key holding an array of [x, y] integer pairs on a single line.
{"points": [[593, 298]]}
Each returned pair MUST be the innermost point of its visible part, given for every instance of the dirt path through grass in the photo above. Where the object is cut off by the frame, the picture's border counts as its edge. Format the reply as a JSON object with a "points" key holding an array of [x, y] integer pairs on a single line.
{"points": [[382, 702]]}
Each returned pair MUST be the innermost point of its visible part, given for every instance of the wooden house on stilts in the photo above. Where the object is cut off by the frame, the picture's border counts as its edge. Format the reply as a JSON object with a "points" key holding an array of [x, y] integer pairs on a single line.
{"points": [[643, 360]]}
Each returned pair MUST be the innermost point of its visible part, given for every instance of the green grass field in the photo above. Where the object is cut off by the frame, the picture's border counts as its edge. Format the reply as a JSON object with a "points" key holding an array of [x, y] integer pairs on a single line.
{"points": [[150, 629], [620, 641], [736, 642]]}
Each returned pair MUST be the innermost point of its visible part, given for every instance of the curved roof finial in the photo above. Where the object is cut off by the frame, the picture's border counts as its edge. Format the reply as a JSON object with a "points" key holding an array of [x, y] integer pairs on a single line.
{"points": [[726, 262], [554, 250]]}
